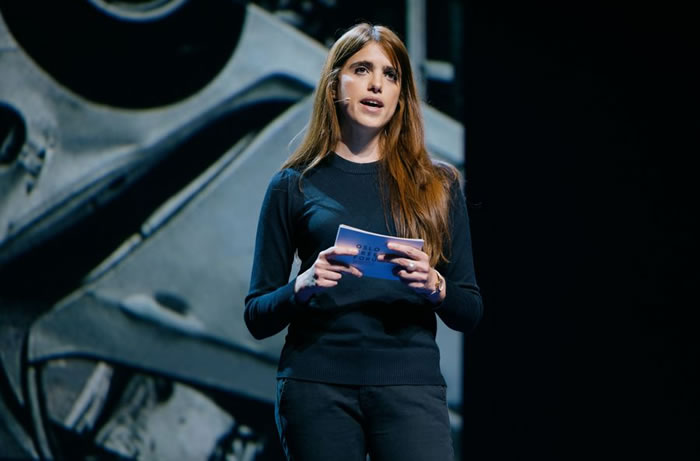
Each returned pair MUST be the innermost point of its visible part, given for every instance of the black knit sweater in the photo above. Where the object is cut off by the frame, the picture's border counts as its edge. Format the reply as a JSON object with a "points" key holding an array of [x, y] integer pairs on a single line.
{"points": [[363, 331]]}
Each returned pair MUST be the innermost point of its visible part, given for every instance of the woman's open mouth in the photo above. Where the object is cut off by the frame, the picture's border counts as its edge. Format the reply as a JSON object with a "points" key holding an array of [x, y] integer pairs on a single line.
{"points": [[373, 103]]}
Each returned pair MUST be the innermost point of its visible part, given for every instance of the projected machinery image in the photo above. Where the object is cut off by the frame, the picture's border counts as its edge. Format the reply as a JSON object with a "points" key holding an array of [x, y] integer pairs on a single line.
{"points": [[137, 139]]}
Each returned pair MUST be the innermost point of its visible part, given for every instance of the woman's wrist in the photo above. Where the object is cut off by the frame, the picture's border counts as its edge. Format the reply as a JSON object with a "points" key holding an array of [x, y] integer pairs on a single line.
{"points": [[439, 289], [302, 290]]}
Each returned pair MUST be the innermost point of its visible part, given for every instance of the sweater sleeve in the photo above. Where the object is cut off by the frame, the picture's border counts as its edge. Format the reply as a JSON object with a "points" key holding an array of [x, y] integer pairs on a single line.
{"points": [[462, 307], [270, 303]]}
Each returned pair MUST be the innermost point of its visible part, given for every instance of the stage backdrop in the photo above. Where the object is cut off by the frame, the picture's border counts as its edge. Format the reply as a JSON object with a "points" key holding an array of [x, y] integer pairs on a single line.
{"points": [[136, 143]]}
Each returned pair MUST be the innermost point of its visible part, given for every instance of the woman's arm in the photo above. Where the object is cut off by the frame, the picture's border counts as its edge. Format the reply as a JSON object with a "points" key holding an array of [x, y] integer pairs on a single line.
{"points": [[455, 295], [270, 303], [462, 307]]}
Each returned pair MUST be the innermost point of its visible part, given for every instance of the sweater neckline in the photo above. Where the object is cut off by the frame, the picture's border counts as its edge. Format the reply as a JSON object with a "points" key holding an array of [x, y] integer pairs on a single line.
{"points": [[340, 163]]}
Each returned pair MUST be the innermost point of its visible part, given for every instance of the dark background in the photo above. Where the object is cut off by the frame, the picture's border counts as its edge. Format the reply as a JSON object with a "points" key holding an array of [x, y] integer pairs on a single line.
{"points": [[581, 124]]}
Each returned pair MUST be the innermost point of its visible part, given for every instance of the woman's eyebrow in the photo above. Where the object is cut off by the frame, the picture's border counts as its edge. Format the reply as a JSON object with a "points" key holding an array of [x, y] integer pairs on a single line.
{"points": [[366, 64], [370, 66]]}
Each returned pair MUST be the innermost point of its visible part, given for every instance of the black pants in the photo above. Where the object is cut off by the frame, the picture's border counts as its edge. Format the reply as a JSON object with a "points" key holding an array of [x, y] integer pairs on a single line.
{"points": [[322, 422]]}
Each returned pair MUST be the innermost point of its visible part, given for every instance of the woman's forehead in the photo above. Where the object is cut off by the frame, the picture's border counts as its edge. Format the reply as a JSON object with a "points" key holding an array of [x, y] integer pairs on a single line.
{"points": [[375, 53]]}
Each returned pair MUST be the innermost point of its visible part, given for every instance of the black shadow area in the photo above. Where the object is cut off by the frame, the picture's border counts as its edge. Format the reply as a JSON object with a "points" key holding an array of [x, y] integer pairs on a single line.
{"points": [[581, 129]]}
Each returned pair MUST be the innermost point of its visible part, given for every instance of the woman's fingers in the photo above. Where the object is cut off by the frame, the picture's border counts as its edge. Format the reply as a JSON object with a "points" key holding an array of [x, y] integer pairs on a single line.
{"points": [[412, 260], [408, 251], [421, 284], [412, 267], [325, 274], [347, 269], [409, 268], [326, 260], [338, 251], [413, 277], [326, 283]]}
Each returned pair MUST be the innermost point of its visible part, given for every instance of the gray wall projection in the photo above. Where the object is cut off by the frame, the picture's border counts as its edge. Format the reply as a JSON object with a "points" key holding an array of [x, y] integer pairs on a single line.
{"points": [[136, 143]]}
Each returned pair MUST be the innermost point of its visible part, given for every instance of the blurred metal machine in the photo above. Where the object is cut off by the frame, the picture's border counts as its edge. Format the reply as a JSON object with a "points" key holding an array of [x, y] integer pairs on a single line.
{"points": [[136, 142]]}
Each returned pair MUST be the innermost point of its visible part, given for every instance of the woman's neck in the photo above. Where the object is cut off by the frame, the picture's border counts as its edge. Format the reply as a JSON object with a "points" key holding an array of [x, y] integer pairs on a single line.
{"points": [[358, 147]]}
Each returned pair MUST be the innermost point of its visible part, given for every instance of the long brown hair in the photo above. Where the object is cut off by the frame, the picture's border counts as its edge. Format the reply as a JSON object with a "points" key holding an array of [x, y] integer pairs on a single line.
{"points": [[418, 186]]}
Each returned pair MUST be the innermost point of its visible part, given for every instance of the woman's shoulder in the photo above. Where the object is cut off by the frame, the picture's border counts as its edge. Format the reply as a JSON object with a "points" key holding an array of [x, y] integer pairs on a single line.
{"points": [[284, 177], [447, 173]]}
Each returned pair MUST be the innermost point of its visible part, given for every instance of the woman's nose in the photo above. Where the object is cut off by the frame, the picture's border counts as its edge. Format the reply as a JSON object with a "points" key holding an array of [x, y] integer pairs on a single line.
{"points": [[375, 85]]}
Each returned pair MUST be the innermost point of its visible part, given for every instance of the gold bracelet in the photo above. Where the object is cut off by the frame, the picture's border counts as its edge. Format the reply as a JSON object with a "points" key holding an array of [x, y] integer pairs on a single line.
{"points": [[439, 283]]}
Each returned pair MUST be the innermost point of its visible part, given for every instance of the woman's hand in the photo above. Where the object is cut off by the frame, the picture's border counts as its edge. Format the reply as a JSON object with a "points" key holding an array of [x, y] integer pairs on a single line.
{"points": [[324, 273], [415, 271]]}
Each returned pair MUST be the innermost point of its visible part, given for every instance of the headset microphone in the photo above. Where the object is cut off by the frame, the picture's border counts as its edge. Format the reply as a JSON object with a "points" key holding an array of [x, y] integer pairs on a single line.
{"points": [[342, 100]]}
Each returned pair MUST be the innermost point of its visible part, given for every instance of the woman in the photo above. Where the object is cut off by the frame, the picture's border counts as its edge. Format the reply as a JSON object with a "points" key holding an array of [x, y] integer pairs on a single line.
{"points": [[359, 372]]}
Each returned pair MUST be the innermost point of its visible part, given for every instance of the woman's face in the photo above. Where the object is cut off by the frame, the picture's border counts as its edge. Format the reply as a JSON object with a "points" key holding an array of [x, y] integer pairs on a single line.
{"points": [[368, 89]]}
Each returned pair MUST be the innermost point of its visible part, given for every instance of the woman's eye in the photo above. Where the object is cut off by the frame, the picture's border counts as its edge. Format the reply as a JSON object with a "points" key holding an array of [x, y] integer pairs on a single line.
{"points": [[393, 76], [360, 70]]}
